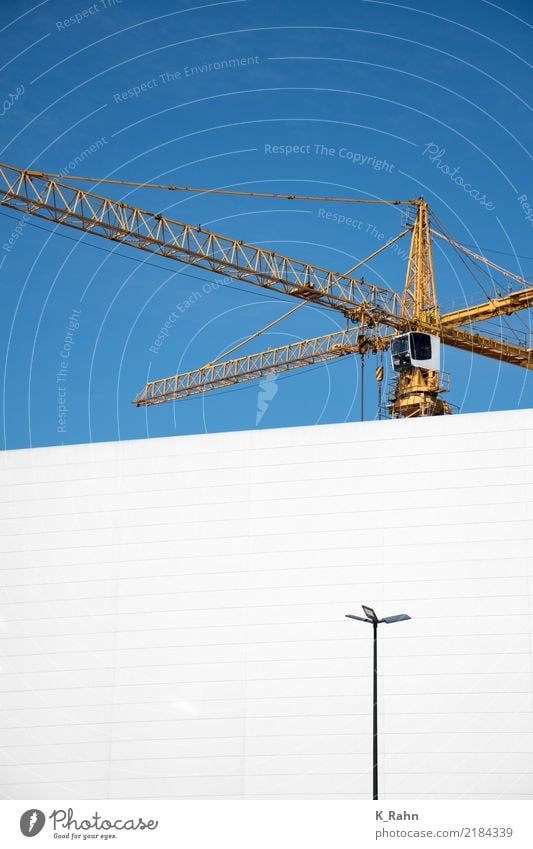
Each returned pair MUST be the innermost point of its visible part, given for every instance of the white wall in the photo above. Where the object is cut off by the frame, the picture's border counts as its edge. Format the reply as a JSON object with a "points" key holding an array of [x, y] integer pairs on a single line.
{"points": [[172, 619]]}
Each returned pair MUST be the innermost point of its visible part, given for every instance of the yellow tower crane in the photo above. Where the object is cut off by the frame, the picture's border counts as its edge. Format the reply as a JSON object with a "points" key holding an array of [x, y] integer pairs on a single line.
{"points": [[410, 323]]}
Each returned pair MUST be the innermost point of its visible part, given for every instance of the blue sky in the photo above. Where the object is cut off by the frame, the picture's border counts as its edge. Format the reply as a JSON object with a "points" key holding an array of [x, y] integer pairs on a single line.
{"points": [[370, 98]]}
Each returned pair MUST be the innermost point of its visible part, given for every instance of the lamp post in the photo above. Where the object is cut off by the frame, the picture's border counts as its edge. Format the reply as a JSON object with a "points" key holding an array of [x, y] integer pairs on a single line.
{"points": [[372, 618]]}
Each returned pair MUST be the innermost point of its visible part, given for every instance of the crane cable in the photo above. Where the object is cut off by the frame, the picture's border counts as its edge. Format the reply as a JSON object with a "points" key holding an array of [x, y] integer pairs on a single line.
{"points": [[201, 190], [254, 335], [478, 257], [476, 260], [172, 187], [503, 320], [378, 251]]}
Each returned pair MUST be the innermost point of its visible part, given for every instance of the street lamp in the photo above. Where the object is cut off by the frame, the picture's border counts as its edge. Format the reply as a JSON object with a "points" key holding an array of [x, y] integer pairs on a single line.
{"points": [[372, 618]]}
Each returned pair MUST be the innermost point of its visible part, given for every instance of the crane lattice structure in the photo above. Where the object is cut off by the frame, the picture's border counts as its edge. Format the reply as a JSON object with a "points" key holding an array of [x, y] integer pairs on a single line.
{"points": [[378, 314]]}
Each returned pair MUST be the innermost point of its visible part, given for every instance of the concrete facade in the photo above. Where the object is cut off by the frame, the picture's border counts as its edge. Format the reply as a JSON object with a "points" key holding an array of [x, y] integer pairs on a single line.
{"points": [[172, 618]]}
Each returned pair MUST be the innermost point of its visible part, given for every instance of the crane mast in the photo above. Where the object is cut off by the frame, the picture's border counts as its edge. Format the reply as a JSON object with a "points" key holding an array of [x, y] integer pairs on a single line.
{"points": [[379, 313], [418, 391]]}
